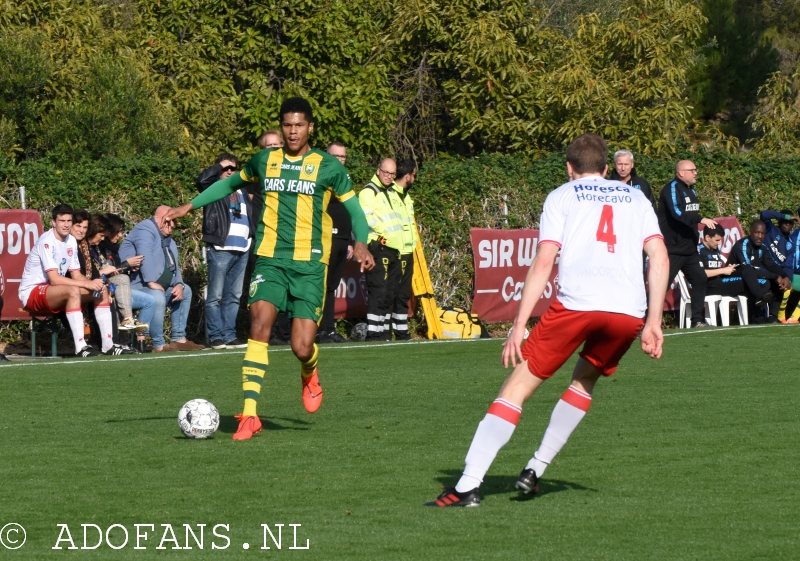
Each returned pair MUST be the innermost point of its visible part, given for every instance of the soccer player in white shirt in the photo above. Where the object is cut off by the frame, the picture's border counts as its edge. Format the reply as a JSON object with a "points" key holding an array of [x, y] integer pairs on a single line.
{"points": [[600, 226], [45, 288]]}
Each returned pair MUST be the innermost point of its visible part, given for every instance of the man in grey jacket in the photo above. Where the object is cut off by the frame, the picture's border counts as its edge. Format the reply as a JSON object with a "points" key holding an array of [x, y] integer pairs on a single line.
{"points": [[160, 277]]}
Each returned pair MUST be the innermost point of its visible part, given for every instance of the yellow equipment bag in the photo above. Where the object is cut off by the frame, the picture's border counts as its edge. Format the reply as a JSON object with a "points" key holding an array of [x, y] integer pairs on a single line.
{"points": [[457, 323]]}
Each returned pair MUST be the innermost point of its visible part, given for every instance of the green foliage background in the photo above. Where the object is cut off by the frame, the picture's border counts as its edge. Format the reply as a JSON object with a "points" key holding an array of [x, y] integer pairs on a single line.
{"points": [[90, 78]]}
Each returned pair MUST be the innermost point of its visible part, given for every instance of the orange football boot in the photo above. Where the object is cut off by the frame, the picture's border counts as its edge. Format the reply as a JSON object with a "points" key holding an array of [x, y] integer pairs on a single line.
{"points": [[312, 392], [248, 427]]}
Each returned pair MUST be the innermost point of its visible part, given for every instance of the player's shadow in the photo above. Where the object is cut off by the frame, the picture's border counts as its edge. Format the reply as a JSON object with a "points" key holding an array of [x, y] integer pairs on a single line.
{"points": [[135, 419], [502, 484], [229, 424]]}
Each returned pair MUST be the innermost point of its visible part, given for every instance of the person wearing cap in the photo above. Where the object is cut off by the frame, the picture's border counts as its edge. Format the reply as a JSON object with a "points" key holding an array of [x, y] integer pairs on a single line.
{"points": [[778, 241]]}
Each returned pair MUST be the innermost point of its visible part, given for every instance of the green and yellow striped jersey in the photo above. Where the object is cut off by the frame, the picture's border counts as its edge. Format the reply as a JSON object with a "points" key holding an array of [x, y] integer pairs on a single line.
{"points": [[295, 193]]}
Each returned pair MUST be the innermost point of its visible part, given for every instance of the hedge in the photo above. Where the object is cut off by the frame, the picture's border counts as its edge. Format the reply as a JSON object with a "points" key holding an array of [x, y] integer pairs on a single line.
{"points": [[451, 196]]}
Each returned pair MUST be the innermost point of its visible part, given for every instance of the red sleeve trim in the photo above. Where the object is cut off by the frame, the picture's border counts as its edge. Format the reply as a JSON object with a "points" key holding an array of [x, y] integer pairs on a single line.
{"points": [[653, 237], [548, 241], [51, 269]]}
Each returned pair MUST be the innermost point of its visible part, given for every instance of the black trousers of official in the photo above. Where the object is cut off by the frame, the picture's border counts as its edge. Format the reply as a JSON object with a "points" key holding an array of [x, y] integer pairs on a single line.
{"points": [[335, 267], [402, 296], [744, 280], [696, 276], [382, 283]]}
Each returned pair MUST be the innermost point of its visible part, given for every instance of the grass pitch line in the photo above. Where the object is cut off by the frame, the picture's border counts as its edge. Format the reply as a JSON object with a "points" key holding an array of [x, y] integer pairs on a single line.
{"points": [[718, 329], [202, 354]]}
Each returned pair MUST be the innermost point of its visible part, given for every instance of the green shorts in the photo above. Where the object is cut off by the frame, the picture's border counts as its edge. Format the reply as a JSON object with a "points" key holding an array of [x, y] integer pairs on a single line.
{"points": [[294, 287]]}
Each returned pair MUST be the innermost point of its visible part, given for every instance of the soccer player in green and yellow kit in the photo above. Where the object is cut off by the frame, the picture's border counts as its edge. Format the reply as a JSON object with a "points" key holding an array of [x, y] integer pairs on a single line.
{"points": [[293, 241]]}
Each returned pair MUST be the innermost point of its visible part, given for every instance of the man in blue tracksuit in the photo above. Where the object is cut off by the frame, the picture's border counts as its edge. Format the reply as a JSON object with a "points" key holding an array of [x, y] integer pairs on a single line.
{"points": [[782, 249], [752, 252], [678, 217], [729, 279]]}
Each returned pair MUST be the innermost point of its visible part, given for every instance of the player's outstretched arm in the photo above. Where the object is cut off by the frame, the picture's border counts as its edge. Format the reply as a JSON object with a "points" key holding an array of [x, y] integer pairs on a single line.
{"points": [[652, 336], [535, 283], [178, 212], [218, 191]]}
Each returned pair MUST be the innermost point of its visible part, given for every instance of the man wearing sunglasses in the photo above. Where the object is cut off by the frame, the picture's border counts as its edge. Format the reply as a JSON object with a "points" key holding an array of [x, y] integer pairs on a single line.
{"points": [[228, 230]]}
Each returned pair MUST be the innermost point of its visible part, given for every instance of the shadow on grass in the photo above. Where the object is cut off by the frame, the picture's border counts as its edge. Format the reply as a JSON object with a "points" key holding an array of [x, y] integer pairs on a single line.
{"points": [[500, 484], [229, 424], [136, 419]]}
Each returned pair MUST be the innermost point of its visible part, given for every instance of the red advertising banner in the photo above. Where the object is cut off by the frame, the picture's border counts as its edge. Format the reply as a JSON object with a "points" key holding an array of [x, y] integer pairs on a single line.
{"points": [[351, 295], [502, 259], [19, 231]]}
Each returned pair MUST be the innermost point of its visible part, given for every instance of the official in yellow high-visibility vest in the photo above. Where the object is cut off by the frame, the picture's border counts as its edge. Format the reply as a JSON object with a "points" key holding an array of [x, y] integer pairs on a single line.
{"points": [[404, 206], [385, 242]]}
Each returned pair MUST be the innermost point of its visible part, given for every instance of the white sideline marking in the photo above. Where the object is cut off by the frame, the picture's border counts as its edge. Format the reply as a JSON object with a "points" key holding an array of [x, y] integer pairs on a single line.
{"points": [[354, 346], [203, 354]]}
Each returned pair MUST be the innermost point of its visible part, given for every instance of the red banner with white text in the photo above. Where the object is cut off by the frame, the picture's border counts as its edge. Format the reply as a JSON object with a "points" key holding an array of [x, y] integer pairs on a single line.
{"points": [[502, 259], [19, 231]]}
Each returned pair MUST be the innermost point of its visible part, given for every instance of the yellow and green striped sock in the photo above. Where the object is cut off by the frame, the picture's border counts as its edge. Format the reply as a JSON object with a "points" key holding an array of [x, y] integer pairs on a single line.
{"points": [[307, 368], [782, 309], [254, 366]]}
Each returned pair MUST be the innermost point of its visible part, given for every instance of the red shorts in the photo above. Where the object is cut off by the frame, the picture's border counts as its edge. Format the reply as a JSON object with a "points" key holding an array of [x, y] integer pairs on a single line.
{"points": [[608, 337], [37, 301]]}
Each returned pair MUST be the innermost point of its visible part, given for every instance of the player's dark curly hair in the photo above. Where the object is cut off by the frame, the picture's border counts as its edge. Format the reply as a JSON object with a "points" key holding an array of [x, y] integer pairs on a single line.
{"points": [[297, 105], [588, 153], [709, 232], [61, 209]]}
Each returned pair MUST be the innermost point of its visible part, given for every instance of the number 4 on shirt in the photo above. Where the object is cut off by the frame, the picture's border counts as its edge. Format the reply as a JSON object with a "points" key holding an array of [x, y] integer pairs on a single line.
{"points": [[605, 230]]}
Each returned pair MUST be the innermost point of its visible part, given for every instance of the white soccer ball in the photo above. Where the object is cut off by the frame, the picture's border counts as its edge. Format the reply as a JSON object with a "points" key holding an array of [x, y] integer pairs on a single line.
{"points": [[198, 418]]}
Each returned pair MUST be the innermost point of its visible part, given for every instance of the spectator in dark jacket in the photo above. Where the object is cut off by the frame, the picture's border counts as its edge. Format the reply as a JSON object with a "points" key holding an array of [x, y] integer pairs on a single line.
{"points": [[626, 173], [678, 217], [228, 230], [341, 251], [751, 252], [160, 277]]}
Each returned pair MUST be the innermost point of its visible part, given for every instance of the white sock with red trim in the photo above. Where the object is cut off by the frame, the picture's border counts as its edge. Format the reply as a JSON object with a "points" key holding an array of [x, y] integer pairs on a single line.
{"points": [[567, 414], [102, 313], [75, 320], [493, 433]]}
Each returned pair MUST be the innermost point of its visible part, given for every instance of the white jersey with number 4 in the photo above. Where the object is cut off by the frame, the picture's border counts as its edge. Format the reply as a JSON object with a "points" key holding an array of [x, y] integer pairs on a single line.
{"points": [[601, 227], [47, 255]]}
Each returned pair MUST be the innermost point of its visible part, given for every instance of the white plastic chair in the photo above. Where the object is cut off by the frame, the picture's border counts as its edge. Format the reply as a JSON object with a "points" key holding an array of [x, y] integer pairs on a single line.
{"points": [[710, 304], [741, 307]]}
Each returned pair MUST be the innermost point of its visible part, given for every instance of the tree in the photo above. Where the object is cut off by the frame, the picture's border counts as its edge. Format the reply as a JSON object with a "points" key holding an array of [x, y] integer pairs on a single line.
{"points": [[777, 117], [734, 61]]}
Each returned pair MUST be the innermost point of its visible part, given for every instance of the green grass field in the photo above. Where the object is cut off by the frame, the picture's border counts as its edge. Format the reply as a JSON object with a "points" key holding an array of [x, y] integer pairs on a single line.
{"points": [[694, 456]]}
